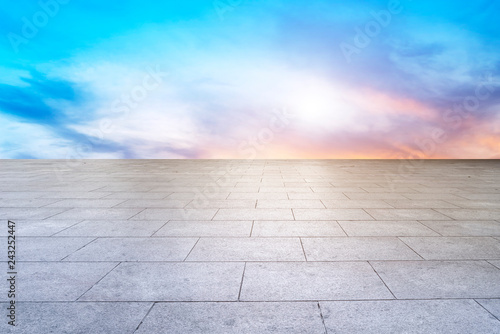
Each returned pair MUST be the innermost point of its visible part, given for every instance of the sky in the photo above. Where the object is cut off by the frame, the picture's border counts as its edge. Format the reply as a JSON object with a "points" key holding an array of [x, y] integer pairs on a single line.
{"points": [[248, 79]]}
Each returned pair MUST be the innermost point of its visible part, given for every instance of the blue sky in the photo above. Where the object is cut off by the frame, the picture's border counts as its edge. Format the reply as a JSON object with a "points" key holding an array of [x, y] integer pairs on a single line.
{"points": [[250, 79]]}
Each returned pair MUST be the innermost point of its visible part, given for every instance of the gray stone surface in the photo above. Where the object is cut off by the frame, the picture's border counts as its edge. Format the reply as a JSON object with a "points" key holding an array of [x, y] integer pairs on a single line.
{"points": [[257, 220], [455, 248], [408, 316], [492, 305], [113, 228], [472, 228], [57, 281], [202, 318], [207, 228], [440, 279], [135, 249], [282, 281], [47, 248], [169, 282], [247, 249], [406, 214], [296, 229], [254, 214], [358, 248], [77, 318], [389, 228], [331, 214]]}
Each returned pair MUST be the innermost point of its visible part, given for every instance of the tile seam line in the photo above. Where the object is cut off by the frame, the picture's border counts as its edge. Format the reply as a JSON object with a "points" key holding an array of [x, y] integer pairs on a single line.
{"points": [[190, 251], [385, 284], [145, 316], [129, 218], [64, 229], [414, 251], [88, 243], [99, 280], [475, 299], [241, 283], [322, 318]]}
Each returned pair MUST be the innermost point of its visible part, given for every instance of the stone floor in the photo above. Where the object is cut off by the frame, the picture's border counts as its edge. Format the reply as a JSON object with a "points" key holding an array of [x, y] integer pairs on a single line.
{"points": [[268, 246]]}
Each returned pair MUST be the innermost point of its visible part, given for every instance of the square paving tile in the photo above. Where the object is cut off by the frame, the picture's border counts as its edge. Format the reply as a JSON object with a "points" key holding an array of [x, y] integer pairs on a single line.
{"points": [[169, 282], [247, 249], [408, 316], [357, 248], [202, 318], [293, 281], [440, 279]]}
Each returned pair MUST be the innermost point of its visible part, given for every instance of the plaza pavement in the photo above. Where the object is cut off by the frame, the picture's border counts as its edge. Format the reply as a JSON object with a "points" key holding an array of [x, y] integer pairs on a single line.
{"points": [[264, 246]]}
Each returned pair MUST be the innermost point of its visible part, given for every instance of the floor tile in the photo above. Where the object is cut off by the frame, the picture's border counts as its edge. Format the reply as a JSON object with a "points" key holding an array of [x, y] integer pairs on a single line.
{"points": [[424, 204], [85, 203], [247, 249], [135, 249], [289, 204], [75, 317], [408, 316], [356, 204], [39, 228], [455, 248], [208, 228], [295, 281], [254, 214], [169, 282], [390, 228], [57, 281], [440, 279], [331, 214], [47, 248], [154, 203], [357, 248], [97, 214], [492, 305], [296, 229], [233, 318], [471, 214], [406, 214], [465, 228], [113, 228], [175, 214]]}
